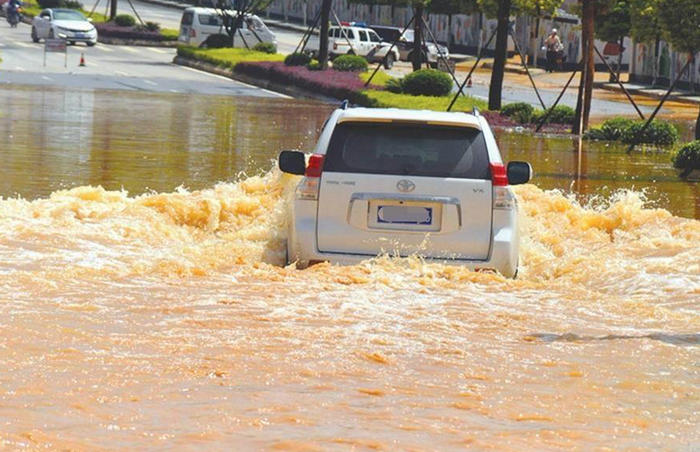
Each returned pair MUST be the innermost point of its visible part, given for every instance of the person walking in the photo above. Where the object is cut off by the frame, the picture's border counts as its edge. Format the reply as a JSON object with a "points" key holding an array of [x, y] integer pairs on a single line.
{"points": [[553, 46]]}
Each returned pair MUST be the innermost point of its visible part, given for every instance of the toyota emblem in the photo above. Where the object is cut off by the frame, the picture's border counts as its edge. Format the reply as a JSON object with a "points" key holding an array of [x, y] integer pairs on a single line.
{"points": [[405, 185]]}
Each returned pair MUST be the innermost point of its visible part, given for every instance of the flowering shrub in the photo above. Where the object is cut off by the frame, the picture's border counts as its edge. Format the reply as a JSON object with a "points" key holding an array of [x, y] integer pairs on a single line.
{"points": [[332, 83], [115, 31]]}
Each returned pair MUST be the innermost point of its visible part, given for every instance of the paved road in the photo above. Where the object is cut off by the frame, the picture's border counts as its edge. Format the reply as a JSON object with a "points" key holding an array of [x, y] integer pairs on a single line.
{"points": [[107, 67]]}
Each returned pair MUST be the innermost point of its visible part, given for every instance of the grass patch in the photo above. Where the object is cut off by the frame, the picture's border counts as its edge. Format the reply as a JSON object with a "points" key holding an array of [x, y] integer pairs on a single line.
{"points": [[170, 34], [389, 100], [227, 57], [380, 78]]}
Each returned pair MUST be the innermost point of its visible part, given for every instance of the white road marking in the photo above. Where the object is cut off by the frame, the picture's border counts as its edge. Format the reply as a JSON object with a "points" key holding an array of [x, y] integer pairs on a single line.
{"points": [[19, 68], [105, 48], [150, 82], [209, 74], [129, 49], [45, 77], [21, 44], [232, 80], [157, 50], [124, 74]]}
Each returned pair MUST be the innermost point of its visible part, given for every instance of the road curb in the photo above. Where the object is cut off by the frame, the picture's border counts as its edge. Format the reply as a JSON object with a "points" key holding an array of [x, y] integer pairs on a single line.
{"points": [[681, 98]]}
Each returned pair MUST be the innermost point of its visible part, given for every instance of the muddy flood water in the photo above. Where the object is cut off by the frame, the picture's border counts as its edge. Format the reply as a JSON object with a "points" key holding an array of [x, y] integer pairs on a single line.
{"points": [[144, 305]]}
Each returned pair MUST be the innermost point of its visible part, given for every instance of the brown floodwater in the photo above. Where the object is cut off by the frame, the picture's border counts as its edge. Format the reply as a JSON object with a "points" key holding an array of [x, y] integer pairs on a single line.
{"points": [[143, 304]]}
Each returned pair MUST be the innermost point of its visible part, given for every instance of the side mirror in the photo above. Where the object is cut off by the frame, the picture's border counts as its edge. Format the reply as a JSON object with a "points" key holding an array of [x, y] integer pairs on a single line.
{"points": [[519, 173], [292, 162]]}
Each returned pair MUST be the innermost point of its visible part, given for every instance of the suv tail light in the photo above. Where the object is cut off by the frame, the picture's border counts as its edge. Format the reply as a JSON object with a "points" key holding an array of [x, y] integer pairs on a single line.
{"points": [[193, 33], [499, 177], [503, 197], [308, 188]]}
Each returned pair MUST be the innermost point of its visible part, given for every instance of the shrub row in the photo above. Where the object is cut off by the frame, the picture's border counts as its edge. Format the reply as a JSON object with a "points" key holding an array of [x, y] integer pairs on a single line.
{"points": [[331, 83], [113, 30], [630, 131], [524, 113]]}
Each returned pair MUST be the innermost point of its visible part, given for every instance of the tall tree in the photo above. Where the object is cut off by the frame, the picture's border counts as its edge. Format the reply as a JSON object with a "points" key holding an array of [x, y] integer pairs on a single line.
{"points": [[680, 22], [501, 10], [585, 90], [233, 14], [613, 23], [645, 27]]}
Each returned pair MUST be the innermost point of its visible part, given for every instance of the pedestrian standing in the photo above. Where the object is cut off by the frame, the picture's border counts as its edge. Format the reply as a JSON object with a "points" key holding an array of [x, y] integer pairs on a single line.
{"points": [[553, 46]]}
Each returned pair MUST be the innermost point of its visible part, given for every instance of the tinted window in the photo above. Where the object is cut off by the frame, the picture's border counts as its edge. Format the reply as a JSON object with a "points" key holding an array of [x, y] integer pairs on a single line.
{"points": [[342, 33], [209, 19], [67, 15], [373, 37], [363, 35], [408, 149], [388, 34], [187, 18]]}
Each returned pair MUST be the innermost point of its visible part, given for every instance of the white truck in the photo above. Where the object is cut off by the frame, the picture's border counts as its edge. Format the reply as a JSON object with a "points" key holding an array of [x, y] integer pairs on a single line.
{"points": [[352, 40]]}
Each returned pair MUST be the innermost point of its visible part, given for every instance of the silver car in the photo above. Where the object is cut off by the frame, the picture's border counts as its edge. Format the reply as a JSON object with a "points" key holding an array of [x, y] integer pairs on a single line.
{"points": [[405, 182]]}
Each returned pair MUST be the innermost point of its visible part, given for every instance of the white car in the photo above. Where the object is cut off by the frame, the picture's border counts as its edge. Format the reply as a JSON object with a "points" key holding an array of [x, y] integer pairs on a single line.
{"points": [[352, 40], [405, 182], [197, 24], [67, 24]]}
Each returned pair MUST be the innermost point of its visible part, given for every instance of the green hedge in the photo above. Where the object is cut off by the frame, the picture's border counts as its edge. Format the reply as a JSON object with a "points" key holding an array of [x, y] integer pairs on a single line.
{"points": [[427, 82], [658, 132], [125, 20], [297, 59], [350, 63], [688, 156], [265, 47], [518, 111]]}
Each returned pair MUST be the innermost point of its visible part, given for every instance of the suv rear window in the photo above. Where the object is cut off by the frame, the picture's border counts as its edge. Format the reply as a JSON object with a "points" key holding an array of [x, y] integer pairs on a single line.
{"points": [[408, 149], [187, 18]]}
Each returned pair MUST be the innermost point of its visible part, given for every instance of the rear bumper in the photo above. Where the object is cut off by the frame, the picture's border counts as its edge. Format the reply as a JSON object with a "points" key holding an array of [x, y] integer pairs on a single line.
{"points": [[302, 247]]}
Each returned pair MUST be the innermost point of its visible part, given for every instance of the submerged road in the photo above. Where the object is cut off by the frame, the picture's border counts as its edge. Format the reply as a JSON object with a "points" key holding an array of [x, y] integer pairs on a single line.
{"points": [[107, 67]]}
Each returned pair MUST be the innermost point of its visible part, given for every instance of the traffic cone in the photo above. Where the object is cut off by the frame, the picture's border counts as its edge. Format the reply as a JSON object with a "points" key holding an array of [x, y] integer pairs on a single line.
{"points": [[469, 82], [82, 59]]}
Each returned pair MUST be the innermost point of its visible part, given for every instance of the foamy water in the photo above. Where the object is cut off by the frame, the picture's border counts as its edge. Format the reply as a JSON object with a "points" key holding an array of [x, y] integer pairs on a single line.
{"points": [[167, 320]]}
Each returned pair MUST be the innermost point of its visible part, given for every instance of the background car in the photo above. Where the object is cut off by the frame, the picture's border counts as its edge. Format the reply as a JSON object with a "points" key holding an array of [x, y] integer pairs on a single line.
{"points": [[355, 40], [431, 50], [67, 24]]}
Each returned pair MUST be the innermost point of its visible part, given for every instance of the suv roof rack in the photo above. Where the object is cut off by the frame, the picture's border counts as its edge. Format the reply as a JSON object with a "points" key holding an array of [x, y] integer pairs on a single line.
{"points": [[344, 104], [475, 111]]}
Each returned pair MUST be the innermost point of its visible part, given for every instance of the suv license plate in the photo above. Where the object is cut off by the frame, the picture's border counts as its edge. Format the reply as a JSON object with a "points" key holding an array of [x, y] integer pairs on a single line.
{"points": [[405, 215]]}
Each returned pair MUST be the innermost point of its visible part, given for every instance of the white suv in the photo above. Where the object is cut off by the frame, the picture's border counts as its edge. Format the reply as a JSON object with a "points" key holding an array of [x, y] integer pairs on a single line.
{"points": [[356, 41], [405, 182]]}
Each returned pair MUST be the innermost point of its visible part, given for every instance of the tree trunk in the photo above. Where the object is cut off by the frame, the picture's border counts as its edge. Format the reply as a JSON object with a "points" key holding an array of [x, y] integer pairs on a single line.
{"points": [[697, 126], [657, 43], [323, 34], [585, 90], [499, 60], [112, 9], [417, 52]]}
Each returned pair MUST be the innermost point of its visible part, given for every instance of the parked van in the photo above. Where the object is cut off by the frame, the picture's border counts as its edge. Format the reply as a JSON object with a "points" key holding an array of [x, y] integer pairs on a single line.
{"points": [[198, 24]]}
